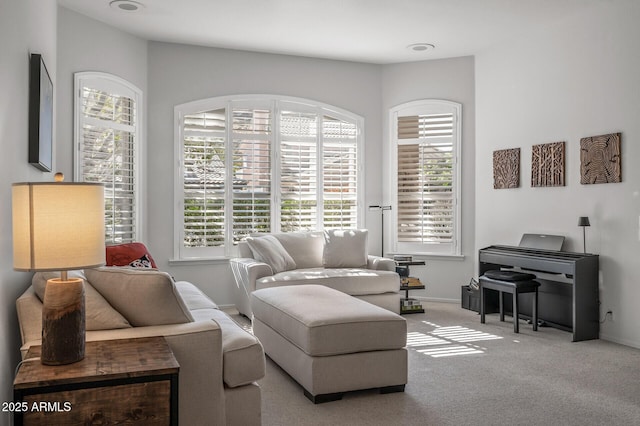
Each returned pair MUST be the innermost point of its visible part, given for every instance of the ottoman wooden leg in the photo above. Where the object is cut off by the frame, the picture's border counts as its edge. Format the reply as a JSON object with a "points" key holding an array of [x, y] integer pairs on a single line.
{"points": [[481, 303], [535, 310], [516, 319], [322, 398], [392, 389]]}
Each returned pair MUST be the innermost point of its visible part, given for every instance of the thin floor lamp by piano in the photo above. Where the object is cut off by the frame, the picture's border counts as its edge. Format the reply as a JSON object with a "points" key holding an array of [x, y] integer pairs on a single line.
{"points": [[382, 209], [584, 222]]}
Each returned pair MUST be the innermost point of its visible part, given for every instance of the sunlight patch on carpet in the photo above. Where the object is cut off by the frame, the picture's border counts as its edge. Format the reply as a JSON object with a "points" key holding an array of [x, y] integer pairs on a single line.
{"points": [[421, 339], [448, 341], [450, 350], [463, 334]]}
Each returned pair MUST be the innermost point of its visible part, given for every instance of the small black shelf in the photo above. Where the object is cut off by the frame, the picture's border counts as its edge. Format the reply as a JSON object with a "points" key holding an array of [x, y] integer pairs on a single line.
{"points": [[407, 288], [411, 311], [403, 269]]}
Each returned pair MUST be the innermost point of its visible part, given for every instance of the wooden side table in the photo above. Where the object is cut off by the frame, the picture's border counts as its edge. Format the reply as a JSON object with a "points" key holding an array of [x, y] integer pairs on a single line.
{"points": [[132, 381]]}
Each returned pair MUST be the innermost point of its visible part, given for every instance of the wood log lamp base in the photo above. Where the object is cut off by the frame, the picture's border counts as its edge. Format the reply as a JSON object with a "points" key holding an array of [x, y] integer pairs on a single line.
{"points": [[63, 321]]}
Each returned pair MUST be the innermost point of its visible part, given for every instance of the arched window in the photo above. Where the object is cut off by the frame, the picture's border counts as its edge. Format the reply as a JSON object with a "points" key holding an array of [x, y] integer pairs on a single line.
{"points": [[107, 148], [426, 154], [251, 164]]}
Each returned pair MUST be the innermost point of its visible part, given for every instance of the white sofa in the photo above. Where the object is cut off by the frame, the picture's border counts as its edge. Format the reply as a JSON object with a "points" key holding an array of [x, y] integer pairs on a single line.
{"points": [[219, 361], [336, 259]]}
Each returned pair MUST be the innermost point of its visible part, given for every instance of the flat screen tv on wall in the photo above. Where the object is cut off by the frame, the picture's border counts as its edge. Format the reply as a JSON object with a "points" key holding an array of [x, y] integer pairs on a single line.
{"points": [[40, 115]]}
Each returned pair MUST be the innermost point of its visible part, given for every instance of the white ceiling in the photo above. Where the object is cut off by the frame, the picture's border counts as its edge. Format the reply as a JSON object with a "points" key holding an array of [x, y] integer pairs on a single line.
{"points": [[374, 31]]}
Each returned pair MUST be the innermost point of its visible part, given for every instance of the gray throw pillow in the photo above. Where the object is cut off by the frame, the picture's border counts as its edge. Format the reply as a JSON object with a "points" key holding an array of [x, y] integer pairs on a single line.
{"points": [[143, 296], [269, 250], [345, 248]]}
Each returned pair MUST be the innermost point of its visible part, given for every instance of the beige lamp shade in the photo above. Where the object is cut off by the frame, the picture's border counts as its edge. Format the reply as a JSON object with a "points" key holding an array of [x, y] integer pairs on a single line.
{"points": [[58, 226]]}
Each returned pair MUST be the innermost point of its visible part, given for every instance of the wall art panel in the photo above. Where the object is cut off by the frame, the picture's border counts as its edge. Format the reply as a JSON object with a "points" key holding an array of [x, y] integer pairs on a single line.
{"points": [[600, 159], [506, 168], [547, 164]]}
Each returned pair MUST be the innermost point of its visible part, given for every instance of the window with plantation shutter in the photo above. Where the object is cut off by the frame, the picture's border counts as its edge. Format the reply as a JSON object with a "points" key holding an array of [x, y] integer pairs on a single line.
{"points": [[262, 164], [427, 177], [107, 139]]}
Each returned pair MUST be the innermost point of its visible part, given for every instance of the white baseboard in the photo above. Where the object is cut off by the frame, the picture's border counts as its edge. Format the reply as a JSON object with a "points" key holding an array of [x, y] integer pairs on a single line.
{"points": [[614, 339], [435, 299]]}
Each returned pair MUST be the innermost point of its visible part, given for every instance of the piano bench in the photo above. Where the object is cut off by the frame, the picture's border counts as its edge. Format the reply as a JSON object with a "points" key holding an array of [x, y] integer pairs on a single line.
{"points": [[513, 283]]}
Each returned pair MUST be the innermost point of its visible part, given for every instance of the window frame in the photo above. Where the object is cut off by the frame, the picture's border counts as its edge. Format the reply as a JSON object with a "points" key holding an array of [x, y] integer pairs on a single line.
{"points": [[422, 107], [113, 84], [277, 104]]}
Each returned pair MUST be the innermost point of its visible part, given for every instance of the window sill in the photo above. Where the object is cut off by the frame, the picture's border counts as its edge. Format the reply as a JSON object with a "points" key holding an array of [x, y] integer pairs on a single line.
{"points": [[432, 256], [199, 261]]}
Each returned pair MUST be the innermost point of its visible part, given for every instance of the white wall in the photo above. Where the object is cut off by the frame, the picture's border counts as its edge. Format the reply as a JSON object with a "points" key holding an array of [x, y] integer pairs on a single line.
{"points": [[25, 27], [452, 80], [181, 73], [85, 44], [576, 79]]}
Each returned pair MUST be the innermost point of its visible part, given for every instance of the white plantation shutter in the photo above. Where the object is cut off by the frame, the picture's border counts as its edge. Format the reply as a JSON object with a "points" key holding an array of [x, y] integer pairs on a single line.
{"points": [[251, 145], [107, 140], [426, 127], [340, 170], [427, 178], [298, 171], [262, 164], [203, 180]]}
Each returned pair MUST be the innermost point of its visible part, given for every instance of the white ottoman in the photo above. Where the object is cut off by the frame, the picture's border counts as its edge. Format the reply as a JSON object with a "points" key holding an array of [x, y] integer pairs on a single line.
{"points": [[330, 342]]}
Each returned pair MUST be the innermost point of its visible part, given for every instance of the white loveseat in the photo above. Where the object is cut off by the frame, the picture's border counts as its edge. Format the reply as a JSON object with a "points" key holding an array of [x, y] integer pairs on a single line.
{"points": [[336, 259], [219, 361]]}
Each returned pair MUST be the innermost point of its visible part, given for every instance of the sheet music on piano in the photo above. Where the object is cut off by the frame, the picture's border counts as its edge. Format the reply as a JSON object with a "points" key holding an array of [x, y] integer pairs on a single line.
{"points": [[542, 241]]}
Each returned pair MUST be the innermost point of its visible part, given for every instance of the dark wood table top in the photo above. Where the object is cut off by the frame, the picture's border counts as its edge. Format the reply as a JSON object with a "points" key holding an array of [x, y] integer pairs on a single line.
{"points": [[104, 360]]}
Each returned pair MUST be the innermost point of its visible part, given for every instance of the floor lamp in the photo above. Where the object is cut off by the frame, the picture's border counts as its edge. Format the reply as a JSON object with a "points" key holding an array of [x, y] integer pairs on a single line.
{"points": [[382, 209]]}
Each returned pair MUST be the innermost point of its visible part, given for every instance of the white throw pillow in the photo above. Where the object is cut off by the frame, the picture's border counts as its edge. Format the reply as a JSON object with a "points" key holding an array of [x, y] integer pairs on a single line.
{"points": [[345, 248], [305, 248], [269, 250]]}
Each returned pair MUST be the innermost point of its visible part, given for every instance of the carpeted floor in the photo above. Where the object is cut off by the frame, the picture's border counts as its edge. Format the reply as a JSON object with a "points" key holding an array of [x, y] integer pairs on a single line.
{"points": [[462, 372]]}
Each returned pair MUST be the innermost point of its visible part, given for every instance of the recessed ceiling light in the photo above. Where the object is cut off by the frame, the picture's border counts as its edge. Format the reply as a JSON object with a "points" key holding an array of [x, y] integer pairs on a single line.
{"points": [[421, 47], [126, 5]]}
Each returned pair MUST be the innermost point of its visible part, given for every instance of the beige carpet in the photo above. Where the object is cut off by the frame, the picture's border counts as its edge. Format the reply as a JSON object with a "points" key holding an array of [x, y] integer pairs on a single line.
{"points": [[462, 372]]}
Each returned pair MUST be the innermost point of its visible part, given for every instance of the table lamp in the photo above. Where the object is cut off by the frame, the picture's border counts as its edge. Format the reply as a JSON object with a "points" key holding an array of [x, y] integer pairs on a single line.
{"points": [[584, 222], [59, 226]]}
